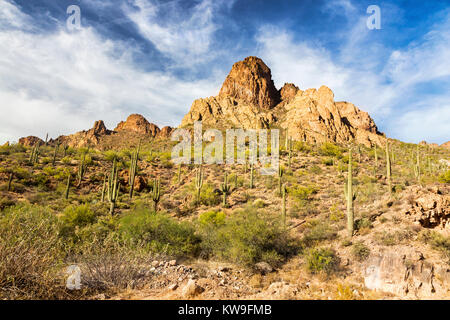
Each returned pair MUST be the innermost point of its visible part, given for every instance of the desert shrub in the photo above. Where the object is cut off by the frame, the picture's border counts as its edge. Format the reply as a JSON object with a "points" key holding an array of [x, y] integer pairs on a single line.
{"points": [[363, 223], [30, 254], [246, 238], [437, 241], [317, 232], [158, 232], [322, 260], [75, 218], [360, 251], [328, 161], [301, 193], [329, 149], [316, 170], [212, 218], [445, 177]]}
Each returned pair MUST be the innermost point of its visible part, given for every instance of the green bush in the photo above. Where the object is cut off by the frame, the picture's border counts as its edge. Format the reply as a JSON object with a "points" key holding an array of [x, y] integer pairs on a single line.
{"points": [[322, 260], [158, 232], [246, 238], [329, 149], [317, 232], [360, 251], [445, 177], [437, 241]]}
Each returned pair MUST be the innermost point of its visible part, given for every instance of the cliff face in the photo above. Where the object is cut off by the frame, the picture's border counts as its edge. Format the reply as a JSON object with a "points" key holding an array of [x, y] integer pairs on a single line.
{"points": [[249, 99]]}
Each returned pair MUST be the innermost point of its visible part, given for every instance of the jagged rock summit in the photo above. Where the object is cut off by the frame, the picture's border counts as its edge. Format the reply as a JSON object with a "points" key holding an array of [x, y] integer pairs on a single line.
{"points": [[138, 124], [248, 99]]}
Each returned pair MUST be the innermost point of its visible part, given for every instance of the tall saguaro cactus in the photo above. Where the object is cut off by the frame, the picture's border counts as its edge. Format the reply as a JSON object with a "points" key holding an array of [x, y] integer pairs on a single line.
{"points": [[280, 181], [225, 188], [283, 204], [103, 189], [350, 195], [81, 169], [34, 156], [133, 169], [179, 174], [66, 194], [417, 166], [388, 167], [113, 187], [11, 176], [199, 182], [252, 175], [156, 193], [55, 153]]}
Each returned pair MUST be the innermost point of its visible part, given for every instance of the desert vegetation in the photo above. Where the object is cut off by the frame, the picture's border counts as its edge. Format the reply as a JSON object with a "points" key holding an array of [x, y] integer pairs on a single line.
{"points": [[114, 212]]}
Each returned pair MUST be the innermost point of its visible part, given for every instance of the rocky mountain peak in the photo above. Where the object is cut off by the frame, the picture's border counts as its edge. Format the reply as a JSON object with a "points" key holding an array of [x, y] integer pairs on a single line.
{"points": [[250, 81], [138, 124]]}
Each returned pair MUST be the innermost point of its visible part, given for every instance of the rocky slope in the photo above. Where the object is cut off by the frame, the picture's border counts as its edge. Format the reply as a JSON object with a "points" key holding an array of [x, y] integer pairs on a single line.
{"points": [[134, 128], [249, 99]]}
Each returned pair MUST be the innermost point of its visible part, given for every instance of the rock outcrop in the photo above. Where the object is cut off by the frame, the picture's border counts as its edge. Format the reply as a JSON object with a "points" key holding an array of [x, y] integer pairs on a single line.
{"points": [[165, 132], [430, 207], [445, 145], [30, 141], [405, 272], [250, 82], [248, 99], [84, 138], [138, 124]]}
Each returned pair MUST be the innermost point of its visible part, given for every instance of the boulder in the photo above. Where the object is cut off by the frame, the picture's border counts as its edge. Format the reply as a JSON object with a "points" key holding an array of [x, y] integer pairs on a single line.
{"points": [[191, 289]]}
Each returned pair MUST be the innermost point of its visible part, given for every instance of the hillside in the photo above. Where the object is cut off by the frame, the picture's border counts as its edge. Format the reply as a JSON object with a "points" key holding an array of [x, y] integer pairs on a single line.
{"points": [[140, 227]]}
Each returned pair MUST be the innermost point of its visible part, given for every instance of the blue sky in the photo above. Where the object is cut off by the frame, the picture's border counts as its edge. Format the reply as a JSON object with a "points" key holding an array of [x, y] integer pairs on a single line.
{"points": [[156, 57]]}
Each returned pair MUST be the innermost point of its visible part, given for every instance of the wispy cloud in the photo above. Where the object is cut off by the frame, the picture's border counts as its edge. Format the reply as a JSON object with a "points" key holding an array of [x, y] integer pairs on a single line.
{"points": [[61, 82], [380, 80], [185, 35]]}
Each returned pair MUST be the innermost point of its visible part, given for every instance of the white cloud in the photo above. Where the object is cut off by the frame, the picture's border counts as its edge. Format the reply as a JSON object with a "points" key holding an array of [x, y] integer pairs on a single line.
{"points": [[61, 82], [381, 81], [183, 35], [433, 121]]}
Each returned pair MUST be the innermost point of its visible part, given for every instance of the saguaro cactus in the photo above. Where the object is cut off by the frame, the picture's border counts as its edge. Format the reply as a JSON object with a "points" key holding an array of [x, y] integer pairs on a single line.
{"points": [[104, 188], [156, 193], [55, 153], [225, 188], [81, 169], [388, 167], [280, 177], [349, 195], [66, 194], [179, 174], [199, 182], [34, 156], [11, 176], [252, 173], [133, 169], [290, 152], [417, 166], [113, 187], [283, 204]]}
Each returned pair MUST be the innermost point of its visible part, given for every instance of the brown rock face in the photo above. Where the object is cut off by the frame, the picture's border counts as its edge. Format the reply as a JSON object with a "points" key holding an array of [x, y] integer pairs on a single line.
{"points": [[165, 132], [446, 145], [288, 92], [430, 207], [249, 100], [250, 82], [30, 141], [85, 138], [139, 124]]}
